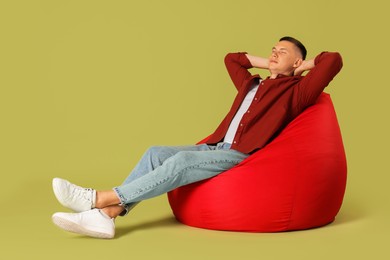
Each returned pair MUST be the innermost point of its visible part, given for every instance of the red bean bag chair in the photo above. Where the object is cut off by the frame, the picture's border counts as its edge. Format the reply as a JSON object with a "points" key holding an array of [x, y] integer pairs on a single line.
{"points": [[295, 182]]}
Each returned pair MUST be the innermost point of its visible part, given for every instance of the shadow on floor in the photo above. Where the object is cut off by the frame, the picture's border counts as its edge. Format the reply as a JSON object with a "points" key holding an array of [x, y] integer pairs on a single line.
{"points": [[351, 211], [162, 222]]}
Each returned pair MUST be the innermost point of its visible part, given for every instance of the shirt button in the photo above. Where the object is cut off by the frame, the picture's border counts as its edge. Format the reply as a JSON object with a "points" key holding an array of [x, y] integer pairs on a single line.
{"points": [[255, 98], [241, 124], [234, 142], [248, 111]]}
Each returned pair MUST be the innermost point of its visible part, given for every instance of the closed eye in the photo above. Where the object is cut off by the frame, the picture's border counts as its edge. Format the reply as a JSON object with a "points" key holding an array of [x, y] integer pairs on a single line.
{"points": [[280, 51]]}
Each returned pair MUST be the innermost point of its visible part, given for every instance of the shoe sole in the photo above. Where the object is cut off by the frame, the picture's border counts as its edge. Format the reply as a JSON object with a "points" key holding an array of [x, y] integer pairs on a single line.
{"points": [[75, 228]]}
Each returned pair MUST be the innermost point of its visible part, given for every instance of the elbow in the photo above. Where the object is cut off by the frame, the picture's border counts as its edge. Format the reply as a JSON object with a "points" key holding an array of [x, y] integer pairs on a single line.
{"points": [[337, 60], [237, 59], [333, 59], [229, 58]]}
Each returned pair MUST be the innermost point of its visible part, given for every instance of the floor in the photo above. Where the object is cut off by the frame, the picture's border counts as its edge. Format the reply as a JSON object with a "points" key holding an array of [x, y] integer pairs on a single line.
{"points": [[151, 231]]}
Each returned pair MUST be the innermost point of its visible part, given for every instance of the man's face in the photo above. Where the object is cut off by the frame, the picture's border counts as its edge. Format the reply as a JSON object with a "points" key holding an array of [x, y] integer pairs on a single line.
{"points": [[284, 59]]}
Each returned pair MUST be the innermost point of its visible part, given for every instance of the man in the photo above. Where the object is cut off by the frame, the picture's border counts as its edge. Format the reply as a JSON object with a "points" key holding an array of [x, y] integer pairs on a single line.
{"points": [[261, 109]]}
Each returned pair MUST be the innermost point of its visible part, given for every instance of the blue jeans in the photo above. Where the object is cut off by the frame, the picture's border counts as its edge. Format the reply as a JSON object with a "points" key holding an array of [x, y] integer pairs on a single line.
{"points": [[164, 168]]}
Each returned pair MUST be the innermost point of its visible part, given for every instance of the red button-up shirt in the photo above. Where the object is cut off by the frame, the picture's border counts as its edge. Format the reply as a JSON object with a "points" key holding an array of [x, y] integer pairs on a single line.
{"points": [[277, 101]]}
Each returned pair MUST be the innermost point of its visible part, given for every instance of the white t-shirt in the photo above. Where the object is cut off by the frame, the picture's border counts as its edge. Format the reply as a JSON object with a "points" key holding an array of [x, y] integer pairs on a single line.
{"points": [[229, 137]]}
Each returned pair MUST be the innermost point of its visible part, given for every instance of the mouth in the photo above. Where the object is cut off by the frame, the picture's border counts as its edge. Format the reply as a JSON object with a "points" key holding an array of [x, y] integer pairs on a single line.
{"points": [[273, 61]]}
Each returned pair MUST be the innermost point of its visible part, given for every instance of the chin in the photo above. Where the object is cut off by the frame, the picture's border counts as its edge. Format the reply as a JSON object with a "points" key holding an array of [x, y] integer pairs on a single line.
{"points": [[273, 70], [272, 67]]}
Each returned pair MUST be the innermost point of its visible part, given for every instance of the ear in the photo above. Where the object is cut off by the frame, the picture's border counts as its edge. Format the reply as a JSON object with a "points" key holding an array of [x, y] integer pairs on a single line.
{"points": [[298, 62]]}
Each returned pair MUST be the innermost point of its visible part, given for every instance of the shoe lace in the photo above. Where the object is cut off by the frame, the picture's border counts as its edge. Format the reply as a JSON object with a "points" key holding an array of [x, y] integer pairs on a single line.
{"points": [[84, 193]]}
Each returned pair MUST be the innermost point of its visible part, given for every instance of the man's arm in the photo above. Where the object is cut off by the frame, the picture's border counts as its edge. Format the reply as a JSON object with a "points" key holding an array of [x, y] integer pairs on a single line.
{"points": [[237, 65], [306, 65], [258, 62], [322, 70]]}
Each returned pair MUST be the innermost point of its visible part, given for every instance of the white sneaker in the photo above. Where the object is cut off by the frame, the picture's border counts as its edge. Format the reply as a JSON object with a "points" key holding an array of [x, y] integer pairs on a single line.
{"points": [[93, 223], [74, 197]]}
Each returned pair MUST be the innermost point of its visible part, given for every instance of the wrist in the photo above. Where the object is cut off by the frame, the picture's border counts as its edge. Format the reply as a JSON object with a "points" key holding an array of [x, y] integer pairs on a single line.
{"points": [[309, 64]]}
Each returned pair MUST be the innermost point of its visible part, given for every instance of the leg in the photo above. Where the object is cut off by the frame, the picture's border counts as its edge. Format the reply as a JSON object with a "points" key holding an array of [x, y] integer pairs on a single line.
{"points": [[156, 155], [82, 199], [113, 211], [153, 158], [183, 168]]}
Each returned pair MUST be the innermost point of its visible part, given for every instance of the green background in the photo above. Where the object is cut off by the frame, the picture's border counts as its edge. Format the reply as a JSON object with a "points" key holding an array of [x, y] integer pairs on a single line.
{"points": [[88, 86]]}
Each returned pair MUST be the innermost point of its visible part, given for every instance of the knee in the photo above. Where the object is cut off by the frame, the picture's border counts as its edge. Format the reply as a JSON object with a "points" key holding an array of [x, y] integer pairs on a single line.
{"points": [[153, 151]]}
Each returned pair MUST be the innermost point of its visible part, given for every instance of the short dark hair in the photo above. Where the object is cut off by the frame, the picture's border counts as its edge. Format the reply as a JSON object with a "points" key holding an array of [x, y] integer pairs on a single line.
{"points": [[297, 43]]}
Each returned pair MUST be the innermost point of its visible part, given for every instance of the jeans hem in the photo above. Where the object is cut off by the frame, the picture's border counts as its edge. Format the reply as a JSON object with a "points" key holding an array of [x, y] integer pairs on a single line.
{"points": [[120, 196]]}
